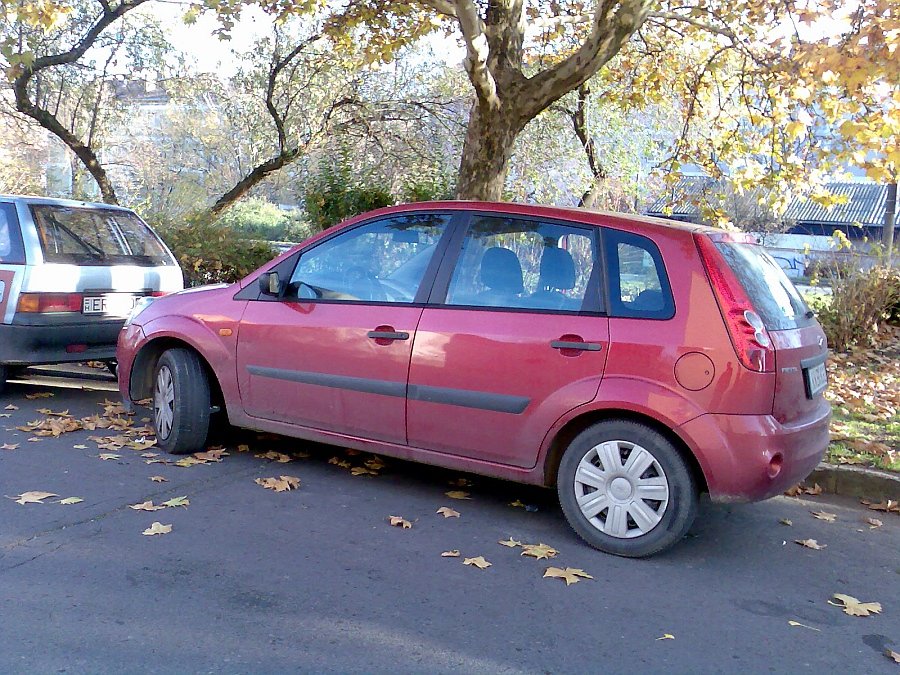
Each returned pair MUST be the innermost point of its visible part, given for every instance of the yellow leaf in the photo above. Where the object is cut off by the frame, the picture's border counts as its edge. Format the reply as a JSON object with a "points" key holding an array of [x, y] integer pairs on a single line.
{"points": [[399, 521], [539, 551], [177, 501], [157, 528], [9, 446], [811, 543], [280, 484], [457, 494], [109, 455], [40, 394], [11, 407], [824, 515], [786, 521], [145, 506], [478, 562], [891, 654], [854, 607], [362, 471], [159, 479], [517, 504], [71, 500], [666, 636], [447, 512], [34, 497], [450, 554], [571, 575], [279, 457], [510, 543]]}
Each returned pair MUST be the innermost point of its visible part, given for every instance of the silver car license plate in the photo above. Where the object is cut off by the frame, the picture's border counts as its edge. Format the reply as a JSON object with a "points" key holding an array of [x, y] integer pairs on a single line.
{"points": [[110, 304]]}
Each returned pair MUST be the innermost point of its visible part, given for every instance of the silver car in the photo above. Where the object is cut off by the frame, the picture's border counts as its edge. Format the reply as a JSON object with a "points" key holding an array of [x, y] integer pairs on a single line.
{"points": [[70, 272]]}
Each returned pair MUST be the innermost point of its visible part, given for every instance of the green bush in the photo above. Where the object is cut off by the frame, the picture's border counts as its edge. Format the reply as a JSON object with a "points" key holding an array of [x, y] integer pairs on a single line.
{"points": [[335, 194], [428, 189], [257, 218], [210, 252]]}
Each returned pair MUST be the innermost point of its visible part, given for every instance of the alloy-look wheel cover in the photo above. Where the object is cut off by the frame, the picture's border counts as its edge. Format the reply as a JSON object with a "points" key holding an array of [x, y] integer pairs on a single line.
{"points": [[621, 489], [164, 402]]}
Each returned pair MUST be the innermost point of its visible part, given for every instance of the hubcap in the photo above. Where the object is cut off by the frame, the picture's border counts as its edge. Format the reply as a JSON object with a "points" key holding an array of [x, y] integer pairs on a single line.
{"points": [[621, 489], [164, 402]]}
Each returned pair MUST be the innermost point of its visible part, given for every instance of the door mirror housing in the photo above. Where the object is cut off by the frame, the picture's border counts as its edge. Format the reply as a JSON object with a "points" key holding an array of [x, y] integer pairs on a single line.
{"points": [[270, 284]]}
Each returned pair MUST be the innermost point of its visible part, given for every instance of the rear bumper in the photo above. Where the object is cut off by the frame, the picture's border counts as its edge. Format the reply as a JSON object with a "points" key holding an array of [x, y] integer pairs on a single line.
{"points": [[739, 454], [34, 345]]}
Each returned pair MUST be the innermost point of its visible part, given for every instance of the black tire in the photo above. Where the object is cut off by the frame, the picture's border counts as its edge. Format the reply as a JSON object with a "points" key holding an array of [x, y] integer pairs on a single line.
{"points": [[665, 520], [112, 366], [183, 424], [3, 376]]}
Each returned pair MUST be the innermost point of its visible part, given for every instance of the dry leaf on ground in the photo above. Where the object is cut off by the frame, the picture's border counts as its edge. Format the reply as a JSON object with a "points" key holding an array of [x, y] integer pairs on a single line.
{"points": [[786, 521], [510, 543], [157, 528], [666, 636], [891, 654], [11, 407], [802, 625], [887, 505], [824, 515], [40, 394], [873, 523], [34, 497], [146, 506], [71, 500], [362, 471], [447, 512], [280, 484], [108, 456], [478, 562], [811, 543], [540, 551], [457, 494], [450, 554], [399, 521], [186, 462], [854, 607], [274, 455], [177, 501], [571, 575], [460, 482], [9, 446], [518, 503], [159, 479]]}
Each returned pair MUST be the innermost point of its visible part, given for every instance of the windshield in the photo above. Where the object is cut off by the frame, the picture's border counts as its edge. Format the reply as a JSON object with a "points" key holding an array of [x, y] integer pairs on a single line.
{"points": [[91, 236]]}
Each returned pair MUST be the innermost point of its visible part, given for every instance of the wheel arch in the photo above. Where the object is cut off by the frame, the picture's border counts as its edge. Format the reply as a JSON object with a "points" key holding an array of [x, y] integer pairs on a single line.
{"points": [[141, 382], [575, 426]]}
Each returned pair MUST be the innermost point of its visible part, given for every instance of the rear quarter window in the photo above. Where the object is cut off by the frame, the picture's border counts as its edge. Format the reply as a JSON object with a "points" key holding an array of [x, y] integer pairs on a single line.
{"points": [[637, 280], [774, 297], [11, 249]]}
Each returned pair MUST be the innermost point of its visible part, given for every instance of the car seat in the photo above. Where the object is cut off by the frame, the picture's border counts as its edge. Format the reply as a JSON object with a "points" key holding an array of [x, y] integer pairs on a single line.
{"points": [[557, 274], [501, 275]]}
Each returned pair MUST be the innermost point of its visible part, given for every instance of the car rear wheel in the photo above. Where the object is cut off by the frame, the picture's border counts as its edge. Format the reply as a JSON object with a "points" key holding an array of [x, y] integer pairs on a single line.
{"points": [[625, 489], [181, 403]]}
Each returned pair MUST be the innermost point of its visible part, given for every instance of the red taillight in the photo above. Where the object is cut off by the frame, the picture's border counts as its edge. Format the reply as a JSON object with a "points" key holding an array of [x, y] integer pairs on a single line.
{"points": [[44, 303], [745, 328], [158, 294]]}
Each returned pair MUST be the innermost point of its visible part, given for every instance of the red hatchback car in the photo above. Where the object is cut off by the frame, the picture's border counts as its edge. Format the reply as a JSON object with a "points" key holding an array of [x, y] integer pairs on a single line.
{"points": [[633, 363]]}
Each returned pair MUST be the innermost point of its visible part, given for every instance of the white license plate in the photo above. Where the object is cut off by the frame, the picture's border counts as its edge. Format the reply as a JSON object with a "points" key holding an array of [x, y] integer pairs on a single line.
{"points": [[816, 380], [111, 304]]}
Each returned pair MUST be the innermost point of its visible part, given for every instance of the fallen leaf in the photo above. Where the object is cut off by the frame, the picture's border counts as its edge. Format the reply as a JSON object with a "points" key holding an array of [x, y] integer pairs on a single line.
{"points": [[539, 551], [460, 482], [447, 512], [146, 506], [519, 504], [362, 471], [571, 575], [177, 501], [71, 500], [159, 479], [80, 447], [886, 506], [399, 521], [34, 497], [811, 543], [280, 484], [9, 446], [157, 528], [891, 654], [108, 456], [5, 415], [802, 625], [873, 523], [854, 607], [40, 394], [457, 494], [666, 636], [824, 515], [478, 562], [11, 407], [337, 461], [35, 440], [148, 455], [786, 521], [450, 554], [243, 448], [375, 463], [279, 457], [185, 462], [510, 543]]}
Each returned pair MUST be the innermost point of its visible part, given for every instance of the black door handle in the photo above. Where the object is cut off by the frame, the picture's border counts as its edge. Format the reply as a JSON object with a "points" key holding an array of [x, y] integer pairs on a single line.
{"points": [[583, 346], [387, 335]]}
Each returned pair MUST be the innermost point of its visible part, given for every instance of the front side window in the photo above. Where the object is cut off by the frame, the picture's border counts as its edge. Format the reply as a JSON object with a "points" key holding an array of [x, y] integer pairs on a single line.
{"points": [[91, 236], [381, 261], [10, 239], [525, 264]]}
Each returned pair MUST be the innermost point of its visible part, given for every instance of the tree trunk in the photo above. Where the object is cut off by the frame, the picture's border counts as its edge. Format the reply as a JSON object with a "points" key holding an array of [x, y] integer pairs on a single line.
{"points": [[490, 138]]}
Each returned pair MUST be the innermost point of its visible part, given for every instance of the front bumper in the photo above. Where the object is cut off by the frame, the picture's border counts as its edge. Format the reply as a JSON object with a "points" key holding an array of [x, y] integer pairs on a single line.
{"points": [[748, 458], [58, 343]]}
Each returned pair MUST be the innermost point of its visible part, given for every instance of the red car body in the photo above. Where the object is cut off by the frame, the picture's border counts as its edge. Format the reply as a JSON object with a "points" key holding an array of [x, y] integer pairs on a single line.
{"points": [[449, 394]]}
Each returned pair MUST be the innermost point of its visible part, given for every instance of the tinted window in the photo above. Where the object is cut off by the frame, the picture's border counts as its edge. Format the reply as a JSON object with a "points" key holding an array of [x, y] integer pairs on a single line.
{"points": [[638, 285], [96, 236], [10, 237], [773, 295], [524, 264], [382, 261]]}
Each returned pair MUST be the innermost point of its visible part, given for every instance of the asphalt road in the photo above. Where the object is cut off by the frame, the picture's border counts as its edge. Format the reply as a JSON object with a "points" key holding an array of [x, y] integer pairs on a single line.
{"points": [[315, 579]]}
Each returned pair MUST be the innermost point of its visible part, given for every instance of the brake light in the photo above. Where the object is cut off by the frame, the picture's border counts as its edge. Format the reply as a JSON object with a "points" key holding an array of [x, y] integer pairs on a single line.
{"points": [[158, 294], [746, 329], [44, 303]]}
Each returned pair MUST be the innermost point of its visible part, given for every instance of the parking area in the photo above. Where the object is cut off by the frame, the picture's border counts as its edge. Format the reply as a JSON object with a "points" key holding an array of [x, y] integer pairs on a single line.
{"points": [[250, 579]]}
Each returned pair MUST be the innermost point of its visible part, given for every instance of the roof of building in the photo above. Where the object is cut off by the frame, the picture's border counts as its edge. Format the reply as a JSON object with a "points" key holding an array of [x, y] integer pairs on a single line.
{"points": [[865, 205], [681, 197]]}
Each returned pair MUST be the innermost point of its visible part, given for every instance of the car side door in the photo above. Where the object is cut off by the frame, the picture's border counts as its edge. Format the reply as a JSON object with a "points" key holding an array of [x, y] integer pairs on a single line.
{"points": [[331, 349], [514, 337]]}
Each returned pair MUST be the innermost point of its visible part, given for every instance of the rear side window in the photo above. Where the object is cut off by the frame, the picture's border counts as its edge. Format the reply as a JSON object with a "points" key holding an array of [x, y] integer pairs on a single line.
{"points": [[638, 285], [11, 250], [777, 302], [89, 236]]}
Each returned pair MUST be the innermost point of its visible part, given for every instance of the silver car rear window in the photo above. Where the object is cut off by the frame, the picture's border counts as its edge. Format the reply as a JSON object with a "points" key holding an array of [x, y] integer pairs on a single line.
{"points": [[92, 236]]}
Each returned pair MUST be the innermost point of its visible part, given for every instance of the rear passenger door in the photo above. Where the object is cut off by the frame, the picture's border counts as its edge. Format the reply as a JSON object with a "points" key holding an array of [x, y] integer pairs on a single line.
{"points": [[512, 339]]}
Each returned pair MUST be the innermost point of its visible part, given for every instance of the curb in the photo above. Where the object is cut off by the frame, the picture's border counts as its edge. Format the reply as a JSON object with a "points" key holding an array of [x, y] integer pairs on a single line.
{"points": [[853, 481]]}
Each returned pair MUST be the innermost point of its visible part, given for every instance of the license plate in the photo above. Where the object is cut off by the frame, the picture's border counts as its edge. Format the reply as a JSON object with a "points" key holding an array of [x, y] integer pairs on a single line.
{"points": [[110, 304], [816, 380]]}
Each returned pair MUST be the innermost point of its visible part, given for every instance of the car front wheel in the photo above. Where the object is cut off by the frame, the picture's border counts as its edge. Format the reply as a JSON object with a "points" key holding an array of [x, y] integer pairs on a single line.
{"points": [[181, 403], [625, 489]]}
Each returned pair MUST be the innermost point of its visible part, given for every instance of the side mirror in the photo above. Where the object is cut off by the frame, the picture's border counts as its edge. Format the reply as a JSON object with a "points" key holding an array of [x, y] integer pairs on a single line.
{"points": [[270, 283]]}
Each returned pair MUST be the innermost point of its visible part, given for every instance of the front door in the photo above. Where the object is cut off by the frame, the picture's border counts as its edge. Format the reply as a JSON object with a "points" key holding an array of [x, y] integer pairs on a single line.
{"points": [[332, 352], [518, 342]]}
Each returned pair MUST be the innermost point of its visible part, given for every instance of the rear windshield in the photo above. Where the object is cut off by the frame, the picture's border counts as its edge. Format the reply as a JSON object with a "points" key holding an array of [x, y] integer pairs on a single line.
{"points": [[773, 295], [89, 236]]}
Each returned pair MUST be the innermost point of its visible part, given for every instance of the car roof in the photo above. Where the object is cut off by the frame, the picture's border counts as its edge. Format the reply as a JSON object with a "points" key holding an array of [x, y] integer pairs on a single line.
{"points": [[53, 201]]}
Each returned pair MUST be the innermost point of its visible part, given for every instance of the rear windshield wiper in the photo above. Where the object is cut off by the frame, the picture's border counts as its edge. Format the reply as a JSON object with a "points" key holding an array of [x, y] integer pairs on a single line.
{"points": [[78, 240]]}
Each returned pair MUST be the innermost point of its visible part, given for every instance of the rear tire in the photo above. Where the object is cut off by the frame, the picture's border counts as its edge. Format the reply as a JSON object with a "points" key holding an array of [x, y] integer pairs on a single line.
{"points": [[181, 402], [626, 490]]}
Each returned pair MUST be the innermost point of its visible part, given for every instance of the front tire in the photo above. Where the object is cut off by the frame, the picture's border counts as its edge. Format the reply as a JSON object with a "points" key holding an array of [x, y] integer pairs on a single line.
{"points": [[626, 490], [181, 402]]}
